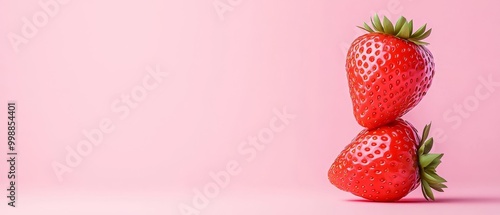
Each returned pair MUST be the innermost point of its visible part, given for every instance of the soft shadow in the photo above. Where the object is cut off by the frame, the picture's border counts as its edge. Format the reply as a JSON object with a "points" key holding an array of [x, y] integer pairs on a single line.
{"points": [[462, 200]]}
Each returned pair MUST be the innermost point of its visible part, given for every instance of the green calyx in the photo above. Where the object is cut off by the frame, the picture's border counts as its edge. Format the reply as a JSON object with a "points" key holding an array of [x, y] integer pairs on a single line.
{"points": [[403, 29], [428, 163]]}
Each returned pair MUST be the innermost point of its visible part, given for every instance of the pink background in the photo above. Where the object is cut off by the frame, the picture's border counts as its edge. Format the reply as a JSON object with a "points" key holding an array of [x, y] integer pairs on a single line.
{"points": [[226, 78]]}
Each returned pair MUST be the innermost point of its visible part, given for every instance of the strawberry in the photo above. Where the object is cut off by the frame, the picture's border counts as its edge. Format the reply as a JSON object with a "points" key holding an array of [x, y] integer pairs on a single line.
{"points": [[387, 163], [389, 70]]}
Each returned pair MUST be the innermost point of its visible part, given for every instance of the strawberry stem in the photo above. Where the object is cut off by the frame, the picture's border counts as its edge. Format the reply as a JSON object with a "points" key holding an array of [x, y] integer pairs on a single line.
{"points": [[428, 163], [403, 29]]}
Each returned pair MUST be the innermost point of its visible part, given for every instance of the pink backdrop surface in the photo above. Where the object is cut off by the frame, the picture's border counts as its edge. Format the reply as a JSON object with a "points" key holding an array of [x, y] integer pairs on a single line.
{"points": [[247, 104]]}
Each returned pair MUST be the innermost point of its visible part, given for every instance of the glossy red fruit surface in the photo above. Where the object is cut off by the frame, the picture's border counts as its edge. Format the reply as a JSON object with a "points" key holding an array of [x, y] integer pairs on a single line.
{"points": [[387, 77], [379, 164]]}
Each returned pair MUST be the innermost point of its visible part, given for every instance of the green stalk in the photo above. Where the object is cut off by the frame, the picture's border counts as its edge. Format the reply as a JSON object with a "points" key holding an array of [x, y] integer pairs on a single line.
{"points": [[403, 29]]}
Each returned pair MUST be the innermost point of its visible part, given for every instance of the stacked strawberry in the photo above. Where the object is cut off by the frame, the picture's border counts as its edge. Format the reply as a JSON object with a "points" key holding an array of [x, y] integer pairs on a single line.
{"points": [[389, 71]]}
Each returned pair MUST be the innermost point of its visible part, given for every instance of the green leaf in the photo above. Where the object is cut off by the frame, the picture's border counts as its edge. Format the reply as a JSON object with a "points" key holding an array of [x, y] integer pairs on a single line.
{"points": [[421, 150], [435, 176], [388, 28], [438, 185], [428, 145], [419, 32], [428, 178], [433, 186], [430, 169], [404, 32], [423, 191], [426, 159], [434, 164], [425, 133], [399, 24], [418, 42], [373, 24], [441, 185], [367, 27], [410, 25], [377, 24], [425, 35], [427, 190]]}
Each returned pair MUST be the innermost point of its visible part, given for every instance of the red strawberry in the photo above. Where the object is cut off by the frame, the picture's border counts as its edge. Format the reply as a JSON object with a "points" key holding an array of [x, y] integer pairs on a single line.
{"points": [[387, 163], [389, 70]]}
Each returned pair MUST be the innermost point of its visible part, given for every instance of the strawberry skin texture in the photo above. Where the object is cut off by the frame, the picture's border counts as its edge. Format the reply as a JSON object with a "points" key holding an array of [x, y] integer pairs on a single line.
{"points": [[379, 164], [387, 77]]}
